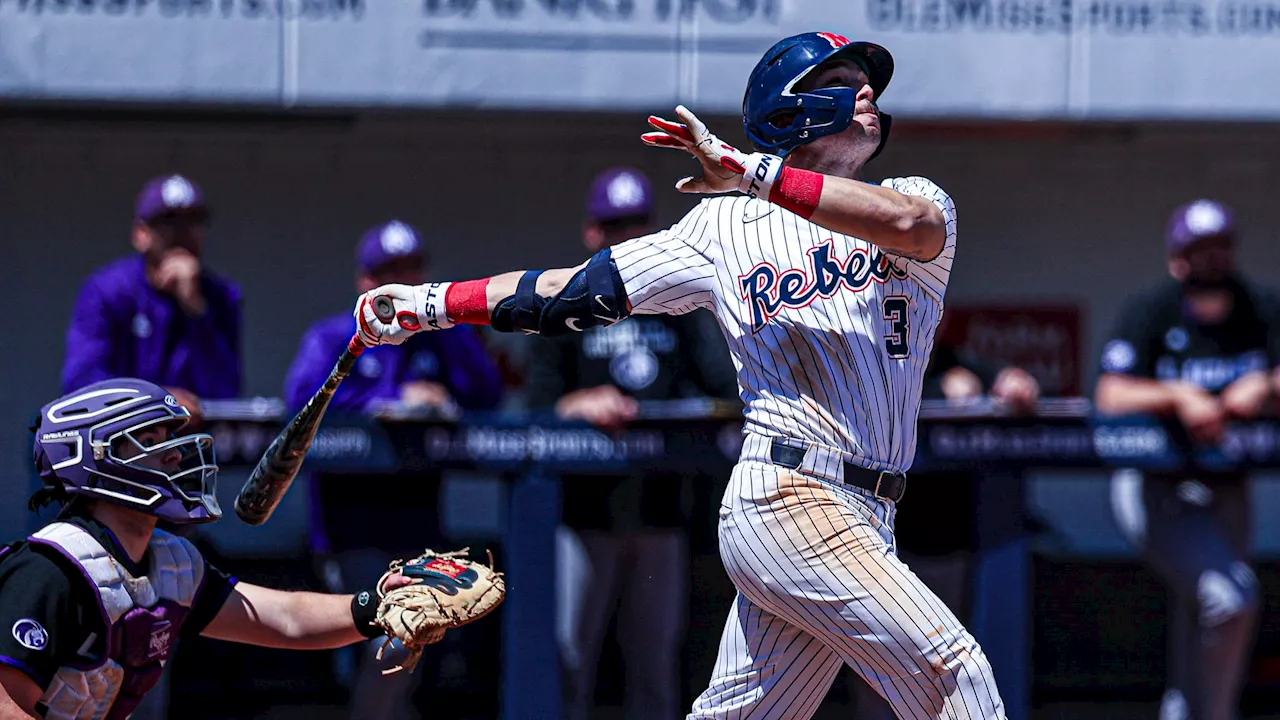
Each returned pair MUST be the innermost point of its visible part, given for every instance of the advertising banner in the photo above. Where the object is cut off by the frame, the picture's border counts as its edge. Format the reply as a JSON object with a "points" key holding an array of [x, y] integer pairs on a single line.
{"points": [[1052, 59]]}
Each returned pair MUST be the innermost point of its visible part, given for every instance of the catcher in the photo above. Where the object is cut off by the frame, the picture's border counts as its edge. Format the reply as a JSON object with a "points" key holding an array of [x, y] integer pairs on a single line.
{"points": [[91, 603]]}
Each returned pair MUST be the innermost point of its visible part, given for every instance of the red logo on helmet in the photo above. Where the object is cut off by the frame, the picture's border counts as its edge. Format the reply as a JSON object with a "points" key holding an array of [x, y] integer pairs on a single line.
{"points": [[837, 41]]}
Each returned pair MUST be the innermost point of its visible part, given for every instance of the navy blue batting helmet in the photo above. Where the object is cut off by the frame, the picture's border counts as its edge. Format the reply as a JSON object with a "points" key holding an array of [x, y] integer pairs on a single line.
{"points": [[778, 119]]}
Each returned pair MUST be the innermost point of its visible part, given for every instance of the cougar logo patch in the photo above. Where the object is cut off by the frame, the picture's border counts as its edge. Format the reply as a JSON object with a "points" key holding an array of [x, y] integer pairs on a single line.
{"points": [[30, 634]]}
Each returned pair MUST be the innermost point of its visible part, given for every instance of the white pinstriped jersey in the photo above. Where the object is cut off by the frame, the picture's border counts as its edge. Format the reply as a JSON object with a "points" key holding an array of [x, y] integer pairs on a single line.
{"points": [[830, 335]]}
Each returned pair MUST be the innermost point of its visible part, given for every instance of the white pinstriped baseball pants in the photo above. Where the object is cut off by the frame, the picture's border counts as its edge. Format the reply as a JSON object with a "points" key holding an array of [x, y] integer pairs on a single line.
{"points": [[820, 584]]}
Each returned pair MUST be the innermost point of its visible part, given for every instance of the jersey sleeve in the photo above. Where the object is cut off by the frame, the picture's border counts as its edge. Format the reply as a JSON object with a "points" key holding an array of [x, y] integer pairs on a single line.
{"points": [[41, 628], [1127, 347], [933, 274], [215, 588], [668, 272]]}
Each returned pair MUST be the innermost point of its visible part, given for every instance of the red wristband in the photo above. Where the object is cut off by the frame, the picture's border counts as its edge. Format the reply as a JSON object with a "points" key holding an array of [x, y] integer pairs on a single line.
{"points": [[797, 190], [466, 302]]}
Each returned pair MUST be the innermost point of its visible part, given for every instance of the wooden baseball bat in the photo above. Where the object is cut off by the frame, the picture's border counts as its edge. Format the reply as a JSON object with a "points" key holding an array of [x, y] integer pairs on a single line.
{"points": [[280, 464]]}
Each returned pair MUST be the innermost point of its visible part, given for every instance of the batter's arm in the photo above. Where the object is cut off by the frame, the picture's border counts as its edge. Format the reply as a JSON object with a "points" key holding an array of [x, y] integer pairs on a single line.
{"points": [[901, 224], [668, 272], [549, 284], [551, 302]]}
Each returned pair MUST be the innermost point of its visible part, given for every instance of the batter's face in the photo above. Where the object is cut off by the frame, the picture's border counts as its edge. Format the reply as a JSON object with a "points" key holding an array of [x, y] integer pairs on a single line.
{"points": [[844, 153]]}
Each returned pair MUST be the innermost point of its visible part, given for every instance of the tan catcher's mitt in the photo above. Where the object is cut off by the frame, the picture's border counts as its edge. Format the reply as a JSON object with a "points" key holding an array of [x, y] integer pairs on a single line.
{"points": [[447, 591]]}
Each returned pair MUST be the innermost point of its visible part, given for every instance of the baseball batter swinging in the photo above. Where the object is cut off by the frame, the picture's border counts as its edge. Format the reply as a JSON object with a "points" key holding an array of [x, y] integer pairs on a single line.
{"points": [[828, 290]]}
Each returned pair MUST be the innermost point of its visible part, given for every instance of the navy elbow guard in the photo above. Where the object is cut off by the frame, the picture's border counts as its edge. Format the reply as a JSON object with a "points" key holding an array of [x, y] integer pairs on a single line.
{"points": [[594, 296]]}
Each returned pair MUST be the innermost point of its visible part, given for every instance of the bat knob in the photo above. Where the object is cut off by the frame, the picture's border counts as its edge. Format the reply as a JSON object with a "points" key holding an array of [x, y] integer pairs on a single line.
{"points": [[384, 308]]}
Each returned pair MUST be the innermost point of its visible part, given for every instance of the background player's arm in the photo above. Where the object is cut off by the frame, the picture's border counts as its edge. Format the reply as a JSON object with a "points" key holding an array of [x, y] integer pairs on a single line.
{"points": [[1121, 394], [1247, 395], [261, 616], [1127, 384], [18, 695]]}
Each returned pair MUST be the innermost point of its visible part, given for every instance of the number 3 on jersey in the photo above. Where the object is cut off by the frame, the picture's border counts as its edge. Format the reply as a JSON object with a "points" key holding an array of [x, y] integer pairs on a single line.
{"points": [[898, 340]]}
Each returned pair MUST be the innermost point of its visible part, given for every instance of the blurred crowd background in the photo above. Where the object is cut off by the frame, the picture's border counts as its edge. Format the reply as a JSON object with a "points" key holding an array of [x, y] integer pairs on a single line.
{"points": [[195, 192]]}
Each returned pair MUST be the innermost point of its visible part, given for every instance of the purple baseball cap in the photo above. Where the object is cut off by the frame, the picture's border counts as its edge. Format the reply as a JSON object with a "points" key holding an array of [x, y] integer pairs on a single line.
{"points": [[619, 192], [1196, 221], [167, 194], [389, 241]]}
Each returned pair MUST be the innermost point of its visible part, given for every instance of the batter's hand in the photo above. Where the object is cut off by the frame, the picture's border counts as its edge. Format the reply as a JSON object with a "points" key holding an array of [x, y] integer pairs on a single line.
{"points": [[724, 167], [410, 306]]}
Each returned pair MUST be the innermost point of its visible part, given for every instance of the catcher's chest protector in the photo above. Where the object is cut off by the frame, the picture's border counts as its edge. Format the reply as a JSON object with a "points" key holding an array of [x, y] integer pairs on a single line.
{"points": [[142, 616]]}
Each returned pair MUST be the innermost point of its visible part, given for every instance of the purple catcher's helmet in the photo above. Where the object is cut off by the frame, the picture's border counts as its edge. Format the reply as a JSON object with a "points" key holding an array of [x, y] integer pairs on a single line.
{"points": [[90, 444]]}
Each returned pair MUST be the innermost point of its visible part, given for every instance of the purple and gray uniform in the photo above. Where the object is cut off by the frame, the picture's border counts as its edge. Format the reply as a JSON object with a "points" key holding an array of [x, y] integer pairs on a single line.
{"points": [[93, 629]]}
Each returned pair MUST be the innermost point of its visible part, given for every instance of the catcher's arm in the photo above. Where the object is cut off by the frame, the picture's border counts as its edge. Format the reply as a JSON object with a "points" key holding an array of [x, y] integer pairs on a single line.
{"points": [[18, 694], [256, 615]]}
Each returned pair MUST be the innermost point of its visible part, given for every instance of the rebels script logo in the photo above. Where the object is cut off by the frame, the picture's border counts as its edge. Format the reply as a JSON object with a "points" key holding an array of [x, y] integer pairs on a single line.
{"points": [[768, 291]]}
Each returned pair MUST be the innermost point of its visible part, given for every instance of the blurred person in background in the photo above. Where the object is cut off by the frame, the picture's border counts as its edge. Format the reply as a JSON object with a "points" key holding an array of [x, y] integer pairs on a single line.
{"points": [[1200, 349], [622, 541], [446, 372], [958, 376], [160, 315]]}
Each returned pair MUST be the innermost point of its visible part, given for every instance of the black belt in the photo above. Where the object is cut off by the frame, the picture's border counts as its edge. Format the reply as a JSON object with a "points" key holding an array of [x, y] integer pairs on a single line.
{"points": [[887, 485]]}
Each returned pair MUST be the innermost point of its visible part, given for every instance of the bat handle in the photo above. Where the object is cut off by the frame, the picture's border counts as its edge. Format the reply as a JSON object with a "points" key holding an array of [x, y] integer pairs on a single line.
{"points": [[384, 309]]}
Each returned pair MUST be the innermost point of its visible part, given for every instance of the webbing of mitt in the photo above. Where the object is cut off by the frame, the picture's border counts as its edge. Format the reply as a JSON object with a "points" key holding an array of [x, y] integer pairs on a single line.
{"points": [[448, 591]]}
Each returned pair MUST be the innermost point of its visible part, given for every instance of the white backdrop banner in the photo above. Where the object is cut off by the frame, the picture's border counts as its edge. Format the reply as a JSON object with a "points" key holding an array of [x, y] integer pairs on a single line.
{"points": [[1081, 59]]}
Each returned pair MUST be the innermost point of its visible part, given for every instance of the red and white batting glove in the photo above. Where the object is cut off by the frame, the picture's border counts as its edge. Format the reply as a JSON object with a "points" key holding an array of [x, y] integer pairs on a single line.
{"points": [[725, 168], [416, 308]]}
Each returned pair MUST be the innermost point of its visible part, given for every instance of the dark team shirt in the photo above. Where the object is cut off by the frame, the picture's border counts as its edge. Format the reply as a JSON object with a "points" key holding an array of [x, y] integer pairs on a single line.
{"points": [[48, 610], [648, 357], [1156, 338]]}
